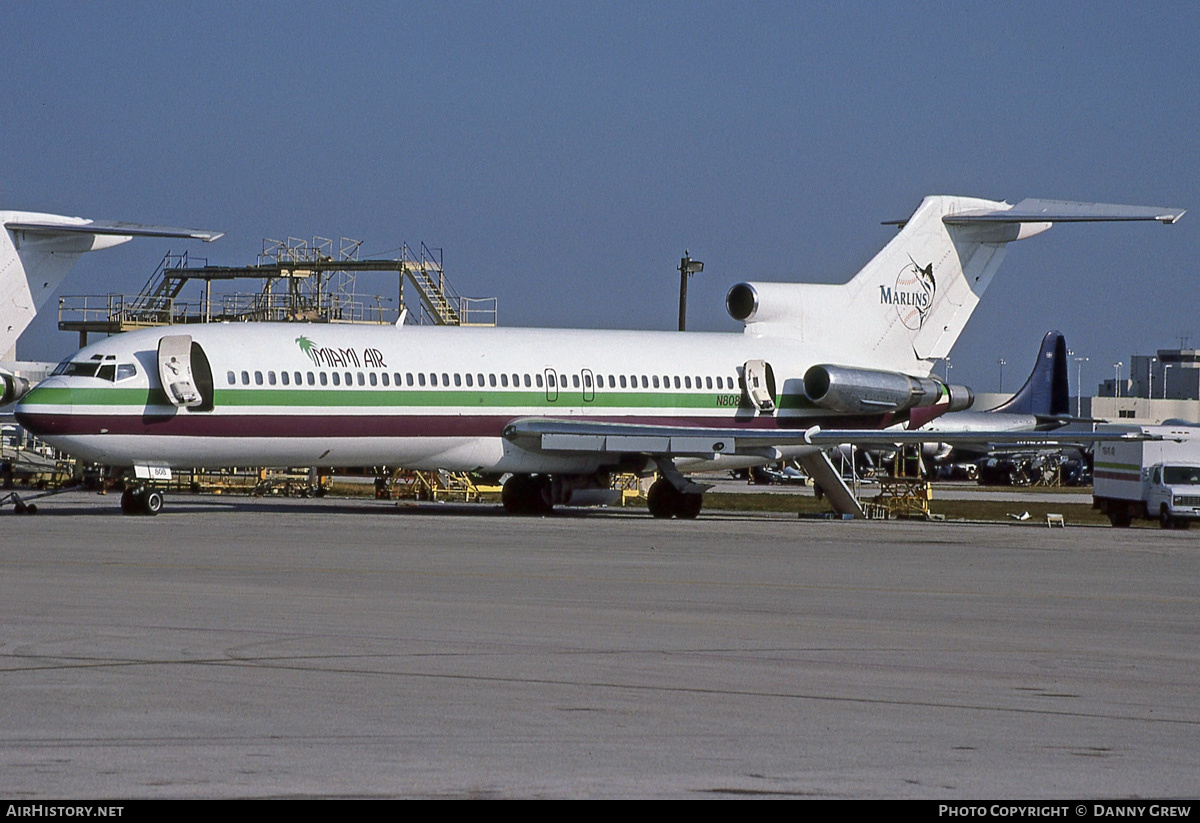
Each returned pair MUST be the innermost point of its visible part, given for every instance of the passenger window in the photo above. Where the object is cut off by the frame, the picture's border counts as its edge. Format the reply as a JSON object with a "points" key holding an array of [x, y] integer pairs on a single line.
{"points": [[349, 379], [433, 378], [708, 382], [504, 380], [375, 379], [362, 381], [655, 381], [538, 379], [386, 380], [528, 382], [587, 381], [677, 381], [231, 377], [245, 378], [271, 377], [300, 378], [310, 379], [258, 381], [552, 381], [285, 378], [470, 380], [575, 380], [457, 379], [687, 381], [420, 379], [324, 379], [446, 379], [492, 380], [337, 379], [623, 384], [408, 378]]}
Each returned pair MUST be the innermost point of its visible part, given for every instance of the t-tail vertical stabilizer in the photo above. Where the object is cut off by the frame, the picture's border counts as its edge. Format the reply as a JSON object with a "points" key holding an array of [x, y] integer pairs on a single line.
{"points": [[38, 250], [907, 307]]}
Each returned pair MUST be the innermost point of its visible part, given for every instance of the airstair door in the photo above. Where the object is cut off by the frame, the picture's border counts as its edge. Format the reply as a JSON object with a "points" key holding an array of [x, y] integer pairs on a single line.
{"points": [[175, 370], [760, 384]]}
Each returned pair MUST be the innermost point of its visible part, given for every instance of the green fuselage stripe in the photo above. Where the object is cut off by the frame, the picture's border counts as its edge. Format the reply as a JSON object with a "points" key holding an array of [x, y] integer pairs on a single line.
{"points": [[326, 397]]}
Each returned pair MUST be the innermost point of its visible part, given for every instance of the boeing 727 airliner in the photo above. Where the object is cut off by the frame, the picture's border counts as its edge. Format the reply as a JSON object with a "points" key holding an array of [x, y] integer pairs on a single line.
{"points": [[559, 409]]}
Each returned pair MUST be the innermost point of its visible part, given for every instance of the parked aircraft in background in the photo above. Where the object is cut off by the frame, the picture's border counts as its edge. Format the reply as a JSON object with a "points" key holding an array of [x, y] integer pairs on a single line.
{"points": [[560, 409], [36, 252]]}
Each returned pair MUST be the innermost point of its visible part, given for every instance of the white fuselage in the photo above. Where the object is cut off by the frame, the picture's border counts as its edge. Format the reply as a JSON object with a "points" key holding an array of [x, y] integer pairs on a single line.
{"points": [[417, 397]]}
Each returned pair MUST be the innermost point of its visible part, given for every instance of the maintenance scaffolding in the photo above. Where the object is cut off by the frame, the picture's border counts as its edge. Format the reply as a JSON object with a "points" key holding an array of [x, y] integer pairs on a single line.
{"points": [[301, 281]]}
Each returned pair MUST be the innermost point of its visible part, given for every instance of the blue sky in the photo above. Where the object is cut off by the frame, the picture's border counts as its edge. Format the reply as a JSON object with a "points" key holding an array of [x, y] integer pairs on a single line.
{"points": [[564, 154]]}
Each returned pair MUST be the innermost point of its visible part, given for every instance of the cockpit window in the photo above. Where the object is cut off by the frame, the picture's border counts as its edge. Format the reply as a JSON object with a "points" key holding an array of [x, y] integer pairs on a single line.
{"points": [[126, 371], [103, 366], [84, 369]]}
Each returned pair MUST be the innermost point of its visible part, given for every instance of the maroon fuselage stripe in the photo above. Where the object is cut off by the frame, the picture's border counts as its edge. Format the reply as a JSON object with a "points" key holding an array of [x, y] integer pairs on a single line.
{"points": [[202, 424]]}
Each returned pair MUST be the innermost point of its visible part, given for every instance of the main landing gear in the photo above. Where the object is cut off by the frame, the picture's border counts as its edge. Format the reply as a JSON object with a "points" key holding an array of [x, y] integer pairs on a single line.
{"points": [[665, 501], [141, 499], [527, 494]]}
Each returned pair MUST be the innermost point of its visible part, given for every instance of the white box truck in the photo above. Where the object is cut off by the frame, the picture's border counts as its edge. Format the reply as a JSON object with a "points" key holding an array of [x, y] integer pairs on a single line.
{"points": [[1155, 479]]}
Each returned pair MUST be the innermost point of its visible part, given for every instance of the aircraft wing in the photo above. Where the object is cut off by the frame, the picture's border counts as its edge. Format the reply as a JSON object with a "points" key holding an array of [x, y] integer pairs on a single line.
{"points": [[110, 227], [592, 437]]}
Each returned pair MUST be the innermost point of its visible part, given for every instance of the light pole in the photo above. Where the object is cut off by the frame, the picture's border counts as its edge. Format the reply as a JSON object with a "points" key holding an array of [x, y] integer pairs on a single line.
{"points": [[687, 267], [1078, 383], [1117, 383], [1150, 373], [1001, 361]]}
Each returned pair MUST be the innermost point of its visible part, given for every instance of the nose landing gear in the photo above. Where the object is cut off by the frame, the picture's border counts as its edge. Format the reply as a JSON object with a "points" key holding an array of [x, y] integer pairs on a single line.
{"points": [[141, 499]]}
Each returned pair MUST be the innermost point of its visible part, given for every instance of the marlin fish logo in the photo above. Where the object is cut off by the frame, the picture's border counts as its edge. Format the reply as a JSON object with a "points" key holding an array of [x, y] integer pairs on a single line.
{"points": [[306, 346], [913, 294]]}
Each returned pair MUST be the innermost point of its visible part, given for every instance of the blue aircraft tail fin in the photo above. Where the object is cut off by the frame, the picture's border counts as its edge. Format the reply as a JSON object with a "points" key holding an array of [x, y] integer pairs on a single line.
{"points": [[1046, 393]]}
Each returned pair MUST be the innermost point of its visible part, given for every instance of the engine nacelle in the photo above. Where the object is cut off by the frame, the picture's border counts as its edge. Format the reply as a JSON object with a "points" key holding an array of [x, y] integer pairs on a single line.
{"points": [[768, 302], [865, 391], [12, 388]]}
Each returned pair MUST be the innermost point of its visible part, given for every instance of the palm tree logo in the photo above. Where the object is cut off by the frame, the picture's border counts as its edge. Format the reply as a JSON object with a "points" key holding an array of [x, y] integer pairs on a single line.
{"points": [[306, 346]]}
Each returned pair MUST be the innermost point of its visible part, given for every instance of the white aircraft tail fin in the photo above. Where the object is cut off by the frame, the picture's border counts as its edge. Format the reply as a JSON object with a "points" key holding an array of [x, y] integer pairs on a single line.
{"points": [[38, 250], [907, 307]]}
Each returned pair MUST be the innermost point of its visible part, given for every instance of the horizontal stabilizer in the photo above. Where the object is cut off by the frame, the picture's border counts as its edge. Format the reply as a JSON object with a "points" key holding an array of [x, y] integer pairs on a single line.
{"points": [[1063, 211], [112, 227]]}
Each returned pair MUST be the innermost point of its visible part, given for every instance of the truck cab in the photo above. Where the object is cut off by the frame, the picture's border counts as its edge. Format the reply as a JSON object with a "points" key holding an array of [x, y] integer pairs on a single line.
{"points": [[1173, 494]]}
